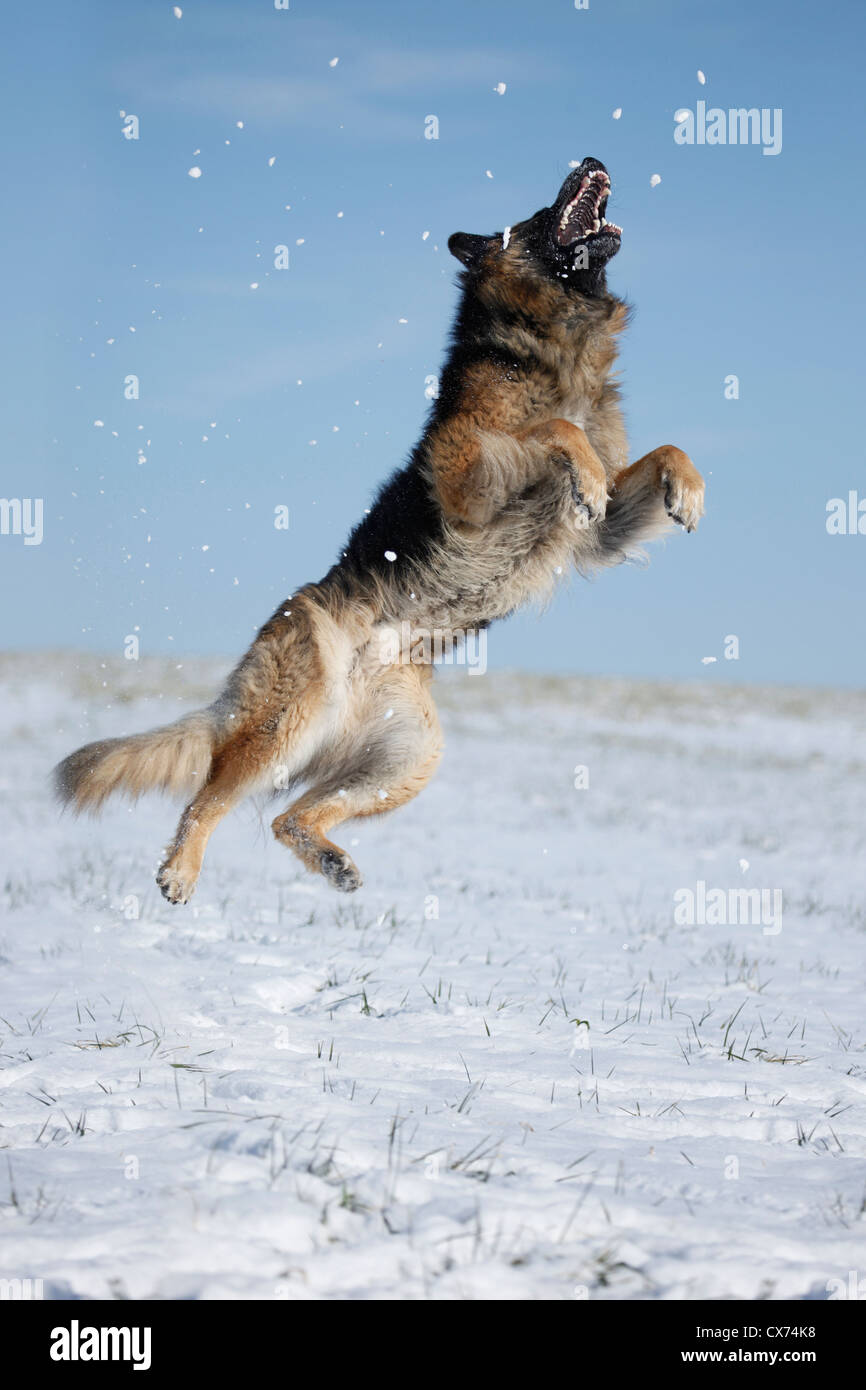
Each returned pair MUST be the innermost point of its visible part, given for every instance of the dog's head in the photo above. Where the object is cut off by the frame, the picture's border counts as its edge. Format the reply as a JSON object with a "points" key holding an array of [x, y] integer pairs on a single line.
{"points": [[569, 243]]}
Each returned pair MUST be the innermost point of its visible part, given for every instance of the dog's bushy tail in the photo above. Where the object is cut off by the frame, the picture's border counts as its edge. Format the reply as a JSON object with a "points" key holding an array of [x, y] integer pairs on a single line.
{"points": [[174, 759]]}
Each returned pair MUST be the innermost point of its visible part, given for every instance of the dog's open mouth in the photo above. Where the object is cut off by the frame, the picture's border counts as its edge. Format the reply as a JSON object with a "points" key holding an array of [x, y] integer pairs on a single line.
{"points": [[583, 216]]}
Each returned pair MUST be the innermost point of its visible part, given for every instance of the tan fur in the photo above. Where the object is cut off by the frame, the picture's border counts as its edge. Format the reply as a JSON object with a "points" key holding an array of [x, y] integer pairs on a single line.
{"points": [[175, 759], [357, 779], [668, 476], [499, 466], [528, 472], [573, 375]]}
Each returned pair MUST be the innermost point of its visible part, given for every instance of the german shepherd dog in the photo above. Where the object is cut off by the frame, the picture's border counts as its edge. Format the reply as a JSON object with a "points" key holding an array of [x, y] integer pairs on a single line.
{"points": [[521, 474]]}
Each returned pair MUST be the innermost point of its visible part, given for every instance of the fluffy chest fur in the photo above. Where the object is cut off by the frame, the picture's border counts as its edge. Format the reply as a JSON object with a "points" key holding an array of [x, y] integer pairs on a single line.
{"points": [[517, 360]]}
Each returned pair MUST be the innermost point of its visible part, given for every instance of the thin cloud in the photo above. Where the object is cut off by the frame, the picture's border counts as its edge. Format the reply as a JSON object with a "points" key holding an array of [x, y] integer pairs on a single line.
{"points": [[361, 94]]}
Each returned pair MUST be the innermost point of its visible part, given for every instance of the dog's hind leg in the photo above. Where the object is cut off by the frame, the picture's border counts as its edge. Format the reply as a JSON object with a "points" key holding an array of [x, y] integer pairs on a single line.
{"points": [[386, 760], [280, 707], [233, 773]]}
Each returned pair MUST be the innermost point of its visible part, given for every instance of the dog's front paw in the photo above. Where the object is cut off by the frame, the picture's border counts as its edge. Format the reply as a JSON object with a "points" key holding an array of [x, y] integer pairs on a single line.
{"points": [[682, 487], [588, 488]]}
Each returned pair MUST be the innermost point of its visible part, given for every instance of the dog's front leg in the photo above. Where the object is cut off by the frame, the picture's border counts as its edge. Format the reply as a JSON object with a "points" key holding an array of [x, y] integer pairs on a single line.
{"points": [[662, 487], [476, 483]]}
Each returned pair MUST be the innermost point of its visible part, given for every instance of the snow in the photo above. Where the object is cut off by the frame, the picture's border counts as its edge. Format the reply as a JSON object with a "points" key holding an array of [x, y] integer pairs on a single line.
{"points": [[655, 180], [500, 1070], [617, 113], [194, 172]]}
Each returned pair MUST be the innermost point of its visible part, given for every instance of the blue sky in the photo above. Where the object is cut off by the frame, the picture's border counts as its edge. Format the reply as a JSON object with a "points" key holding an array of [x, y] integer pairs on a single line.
{"points": [[161, 521]]}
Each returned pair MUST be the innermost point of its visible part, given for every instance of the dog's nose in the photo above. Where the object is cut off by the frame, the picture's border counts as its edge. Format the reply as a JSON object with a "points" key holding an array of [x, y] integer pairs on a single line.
{"points": [[590, 164]]}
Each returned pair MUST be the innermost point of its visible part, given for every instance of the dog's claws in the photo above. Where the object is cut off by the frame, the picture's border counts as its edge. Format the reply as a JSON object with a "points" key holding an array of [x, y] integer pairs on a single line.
{"points": [[340, 871], [173, 886], [683, 504], [587, 509]]}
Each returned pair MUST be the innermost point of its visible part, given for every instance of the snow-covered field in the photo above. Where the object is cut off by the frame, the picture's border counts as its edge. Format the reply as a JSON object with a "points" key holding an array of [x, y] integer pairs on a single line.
{"points": [[502, 1069]]}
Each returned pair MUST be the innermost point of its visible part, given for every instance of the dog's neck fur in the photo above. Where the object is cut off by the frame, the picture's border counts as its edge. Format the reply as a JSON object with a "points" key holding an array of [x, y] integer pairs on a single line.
{"points": [[570, 336]]}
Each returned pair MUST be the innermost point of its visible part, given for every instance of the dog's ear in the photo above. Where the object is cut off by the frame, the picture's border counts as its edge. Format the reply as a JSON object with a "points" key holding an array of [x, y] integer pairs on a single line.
{"points": [[467, 247]]}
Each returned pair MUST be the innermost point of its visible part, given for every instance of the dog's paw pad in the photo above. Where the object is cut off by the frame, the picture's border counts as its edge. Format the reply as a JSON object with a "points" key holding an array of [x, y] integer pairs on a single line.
{"points": [[175, 888], [588, 494], [340, 871], [590, 500], [585, 512], [684, 502]]}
